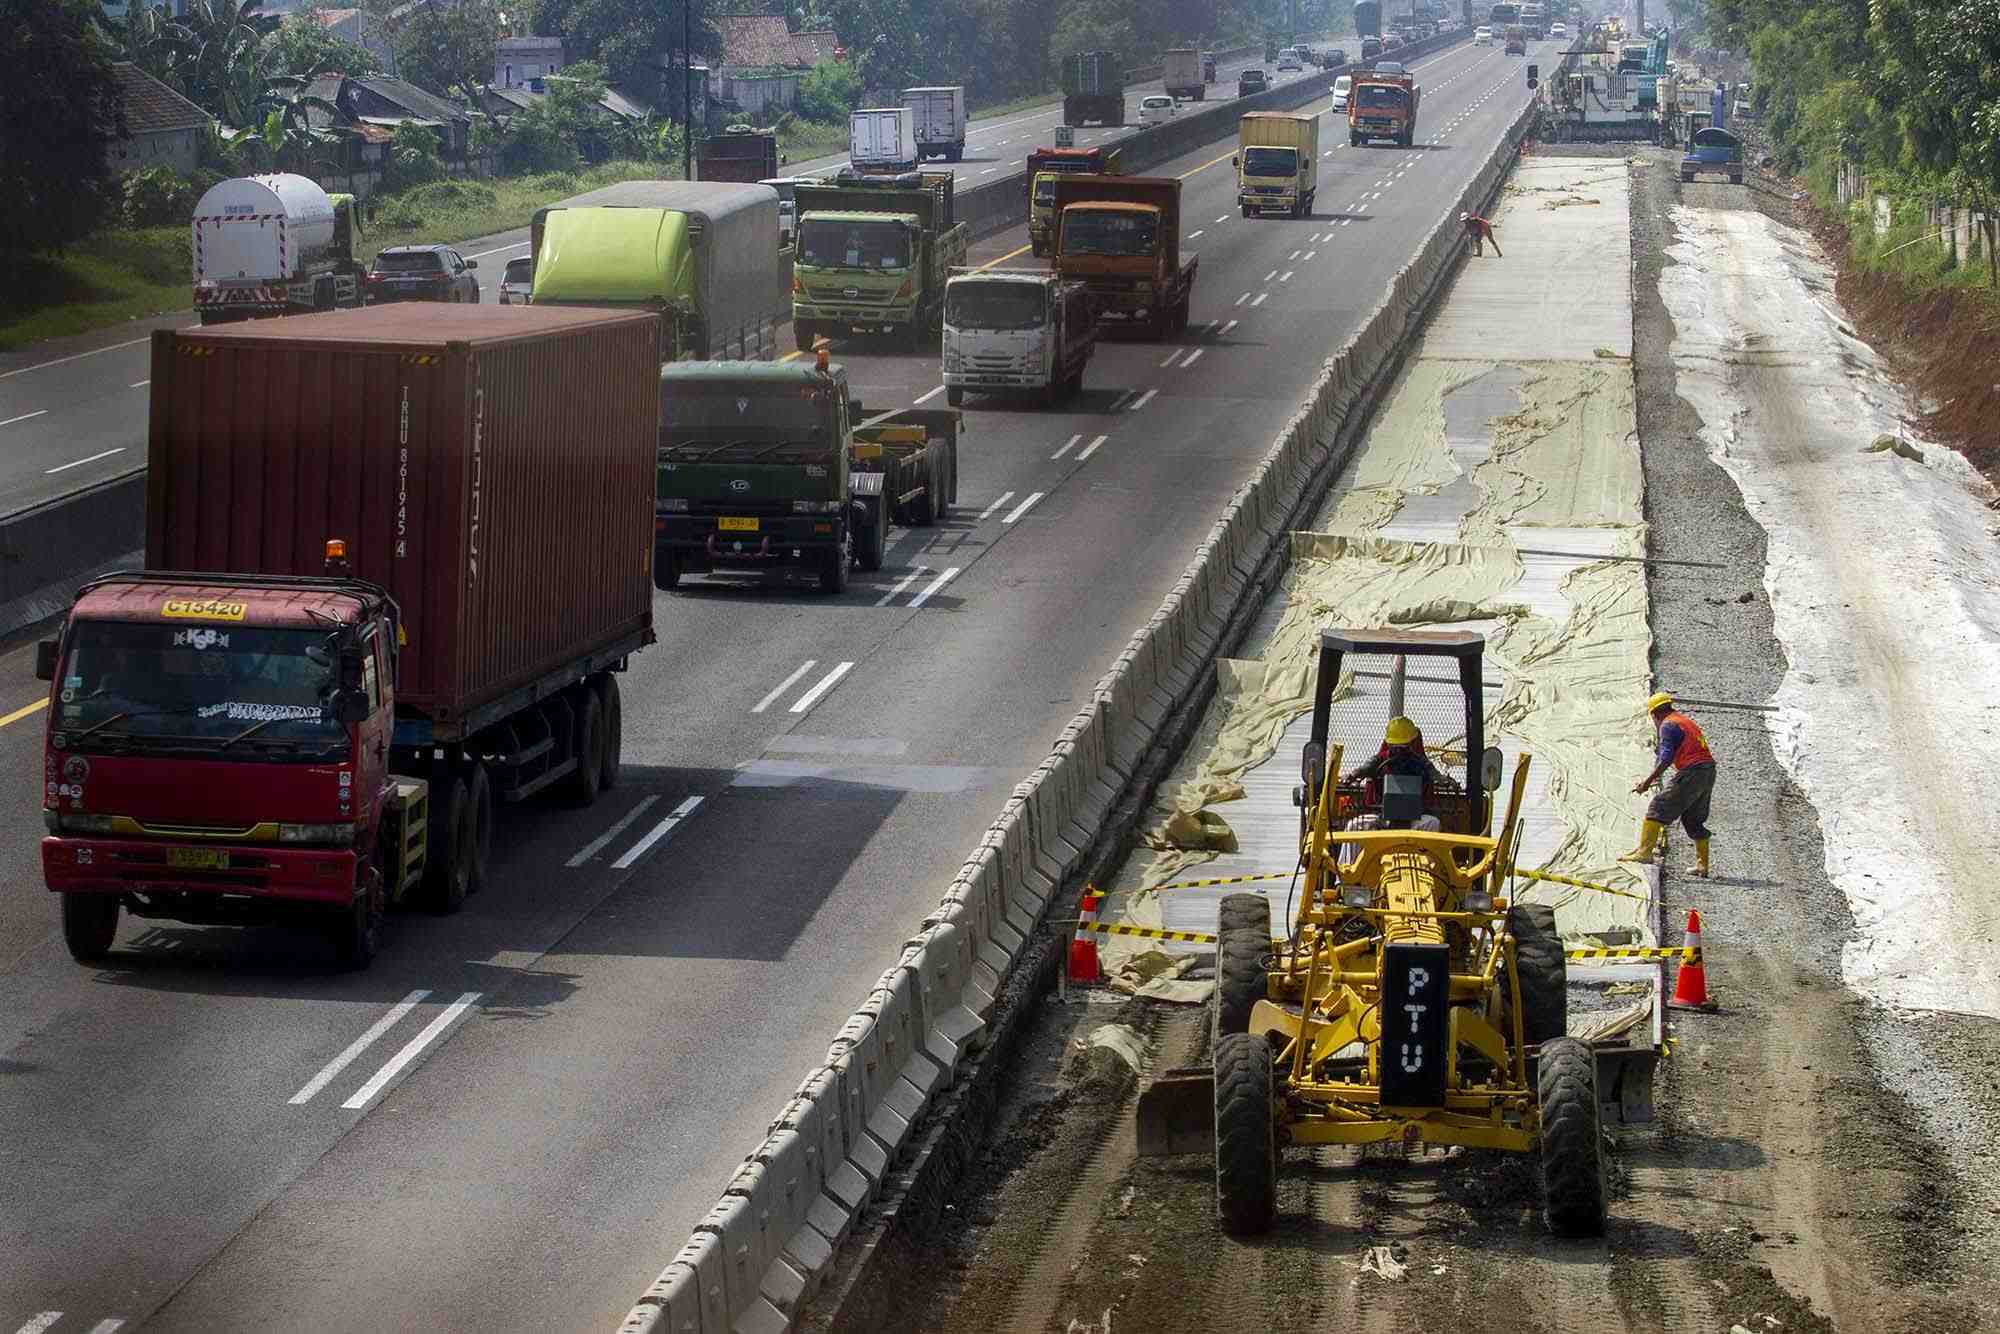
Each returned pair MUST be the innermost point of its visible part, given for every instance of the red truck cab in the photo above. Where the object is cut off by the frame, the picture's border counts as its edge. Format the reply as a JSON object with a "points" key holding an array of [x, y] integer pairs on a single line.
{"points": [[217, 751]]}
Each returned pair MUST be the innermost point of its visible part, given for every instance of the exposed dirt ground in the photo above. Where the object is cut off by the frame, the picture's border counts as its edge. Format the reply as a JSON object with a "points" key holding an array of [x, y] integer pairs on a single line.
{"points": [[1818, 1164]]}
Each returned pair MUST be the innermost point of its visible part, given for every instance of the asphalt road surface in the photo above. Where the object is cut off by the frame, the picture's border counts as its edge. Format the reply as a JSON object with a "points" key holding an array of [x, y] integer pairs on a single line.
{"points": [[514, 1118], [73, 411]]}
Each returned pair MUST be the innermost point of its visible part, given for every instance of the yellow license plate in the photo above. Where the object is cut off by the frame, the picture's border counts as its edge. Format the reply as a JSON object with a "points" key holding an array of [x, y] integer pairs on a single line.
{"points": [[737, 525], [197, 859]]}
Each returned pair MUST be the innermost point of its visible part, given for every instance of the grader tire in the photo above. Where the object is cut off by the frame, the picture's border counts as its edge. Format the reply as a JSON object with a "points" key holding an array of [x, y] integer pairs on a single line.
{"points": [[1246, 1140], [1572, 1149], [1242, 960], [1538, 956]]}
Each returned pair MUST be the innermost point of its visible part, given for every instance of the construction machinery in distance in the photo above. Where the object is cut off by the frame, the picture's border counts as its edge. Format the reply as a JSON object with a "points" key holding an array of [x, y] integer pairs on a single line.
{"points": [[1409, 1002]]}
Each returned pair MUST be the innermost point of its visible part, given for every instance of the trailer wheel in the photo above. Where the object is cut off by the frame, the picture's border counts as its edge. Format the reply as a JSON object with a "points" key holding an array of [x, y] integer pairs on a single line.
{"points": [[587, 744], [1242, 960], [1353, 139], [666, 569], [954, 395], [90, 924], [1572, 1148], [833, 567], [614, 730], [479, 805], [356, 932], [453, 838], [874, 543], [1246, 1138]]}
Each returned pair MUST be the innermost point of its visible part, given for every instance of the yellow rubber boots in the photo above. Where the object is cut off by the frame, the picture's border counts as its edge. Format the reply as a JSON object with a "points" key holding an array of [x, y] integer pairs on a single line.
{"points": [[1700, 866], [1649, 839]]}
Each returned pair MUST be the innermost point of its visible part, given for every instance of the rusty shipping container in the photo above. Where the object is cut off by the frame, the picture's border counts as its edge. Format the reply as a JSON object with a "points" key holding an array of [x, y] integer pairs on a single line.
{"points": [[492, 466]]}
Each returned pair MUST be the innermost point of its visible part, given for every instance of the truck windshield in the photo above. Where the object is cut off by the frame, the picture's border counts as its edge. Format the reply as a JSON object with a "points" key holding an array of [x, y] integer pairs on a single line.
{"points": [[829, 244], [1088, 231], [138, 682], [1270, 161], [1375, 95], [1001, 305], [725, 420], [1045, 191]]}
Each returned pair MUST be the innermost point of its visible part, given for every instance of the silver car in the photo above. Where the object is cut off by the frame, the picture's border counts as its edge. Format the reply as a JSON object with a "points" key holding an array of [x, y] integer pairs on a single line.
{"points": [[517, 281]]}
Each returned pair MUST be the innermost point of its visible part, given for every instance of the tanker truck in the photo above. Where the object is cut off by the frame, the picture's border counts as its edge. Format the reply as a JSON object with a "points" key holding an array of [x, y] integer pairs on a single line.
{"points": [[273, 245]]}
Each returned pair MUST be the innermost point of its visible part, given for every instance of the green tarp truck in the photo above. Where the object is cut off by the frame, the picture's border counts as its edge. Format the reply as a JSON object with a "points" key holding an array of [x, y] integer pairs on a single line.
{"points": [[873, 254], [703, 254], [775, 468]]}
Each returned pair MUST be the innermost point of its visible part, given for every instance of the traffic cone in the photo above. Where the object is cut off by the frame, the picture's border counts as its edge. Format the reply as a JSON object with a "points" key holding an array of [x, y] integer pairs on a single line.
{"points": [[1083, 965], [1691, 983]]}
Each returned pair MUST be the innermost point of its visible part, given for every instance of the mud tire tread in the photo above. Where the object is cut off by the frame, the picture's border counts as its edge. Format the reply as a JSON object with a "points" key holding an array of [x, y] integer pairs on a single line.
{"points": [[1572, 1146], [1246, 1149]]}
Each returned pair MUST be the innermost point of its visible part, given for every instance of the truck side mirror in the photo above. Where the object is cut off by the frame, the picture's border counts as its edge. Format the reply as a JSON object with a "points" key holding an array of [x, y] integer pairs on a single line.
{"points": [[351, 669], [1233, 160], [45, 660], [350, 706], [1491, 765]]}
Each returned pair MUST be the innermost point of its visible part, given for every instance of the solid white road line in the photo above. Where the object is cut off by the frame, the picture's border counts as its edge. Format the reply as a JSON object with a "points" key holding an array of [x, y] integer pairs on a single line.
{"points": [[907, 580], [937, 583], [1025, 505], [38, 412], [46, 1318], [987, 513], [1143, 400], [518, 245], [826, 683], [44, 365], [1262, 297], [1091, 448], [1193, 357], [783, 686], [931, 395], [1073, 439], [603, 840], [65, 467], [138, 384], [356, 1047], [411, 1050], [658, 832]]}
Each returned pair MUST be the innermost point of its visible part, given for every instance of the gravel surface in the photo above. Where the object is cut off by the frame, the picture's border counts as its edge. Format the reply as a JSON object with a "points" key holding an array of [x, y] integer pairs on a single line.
{"points": [[1819, 1163]]}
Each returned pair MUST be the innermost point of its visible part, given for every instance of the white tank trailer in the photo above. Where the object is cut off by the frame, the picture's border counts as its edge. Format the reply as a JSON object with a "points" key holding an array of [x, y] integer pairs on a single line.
{"points": [[273, 245]]}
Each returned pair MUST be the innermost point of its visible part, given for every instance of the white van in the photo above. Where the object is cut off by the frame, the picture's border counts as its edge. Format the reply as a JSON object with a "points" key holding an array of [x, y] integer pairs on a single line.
{"points": [[1342, 86]]}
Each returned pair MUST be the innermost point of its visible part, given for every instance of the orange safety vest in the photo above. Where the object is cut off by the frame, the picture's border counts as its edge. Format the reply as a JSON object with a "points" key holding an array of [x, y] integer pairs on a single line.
{"points": [[1694, 746]]}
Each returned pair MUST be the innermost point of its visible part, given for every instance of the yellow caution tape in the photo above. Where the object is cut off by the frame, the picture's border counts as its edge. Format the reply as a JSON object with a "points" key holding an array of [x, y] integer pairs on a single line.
{"points": [[1147, 932], [1219, 880], [1555, 879], [1635, 952]]}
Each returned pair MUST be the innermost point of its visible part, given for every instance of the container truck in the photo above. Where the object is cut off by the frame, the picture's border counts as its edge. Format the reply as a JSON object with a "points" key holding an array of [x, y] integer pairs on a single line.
{"points": [[394, 558], [1016, 331], [938, 115], [1383, 105], [1120, 236], [738, 154], [1277, 163], [1181, 74], [776, 468], [882, 140], [1044, 165], [1093, 89], [873, 254], [702, 257], [273, 245]]}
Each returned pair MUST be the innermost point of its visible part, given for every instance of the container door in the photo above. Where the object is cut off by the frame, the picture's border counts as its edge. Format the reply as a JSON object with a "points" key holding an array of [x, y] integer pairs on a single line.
{"points": [[236, 248]]}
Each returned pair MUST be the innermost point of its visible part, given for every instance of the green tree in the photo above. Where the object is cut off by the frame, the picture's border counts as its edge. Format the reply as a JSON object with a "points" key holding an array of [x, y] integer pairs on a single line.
{"points": [[151, 39], [627, 37], [226, 64], [448, 46], [287, 130], [828, 91], [60, 109], [302, 45]]}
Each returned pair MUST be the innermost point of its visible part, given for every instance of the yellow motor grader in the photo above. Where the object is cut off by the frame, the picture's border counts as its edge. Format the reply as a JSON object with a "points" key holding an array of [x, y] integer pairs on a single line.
{"points": [[1409, 1003]]}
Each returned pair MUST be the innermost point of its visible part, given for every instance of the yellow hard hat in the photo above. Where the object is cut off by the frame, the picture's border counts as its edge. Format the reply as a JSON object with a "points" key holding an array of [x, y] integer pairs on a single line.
{"points": [[1401, 731], [1660, 701]]}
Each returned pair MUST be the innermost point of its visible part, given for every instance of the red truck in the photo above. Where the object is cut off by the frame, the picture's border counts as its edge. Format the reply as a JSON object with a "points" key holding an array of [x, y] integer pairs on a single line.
{"points": [[1383, 105], [393, 558], [1120, 236]]}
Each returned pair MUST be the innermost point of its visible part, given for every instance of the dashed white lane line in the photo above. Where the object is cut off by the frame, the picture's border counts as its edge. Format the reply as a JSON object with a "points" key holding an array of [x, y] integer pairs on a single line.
{"points": [[1311, 253], [1241, 299], [1196, 232], [359, 1045], [1286, 276], [27, 416], [603, 840], [1227, 327], [138, 384], [988, 512], [1023, 507], [908, 579], [818, 692], [411, 1050], [1193, 357], [1272, 274], [1073, 440], [1143, 400], [935, 584], [47, 1318], [931, 395], [783, 686], [1124, 397], [78, 463], [107, 1327], [653, 836], [1295, 257], [1262, 297], [1091, 448], [1223, 218]]}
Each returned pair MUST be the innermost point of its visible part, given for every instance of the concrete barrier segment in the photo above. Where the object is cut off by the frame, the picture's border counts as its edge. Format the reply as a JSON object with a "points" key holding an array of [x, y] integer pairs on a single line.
{"points": [[856, 1064], [953, 1030], [745, 1255], [982, 981]]}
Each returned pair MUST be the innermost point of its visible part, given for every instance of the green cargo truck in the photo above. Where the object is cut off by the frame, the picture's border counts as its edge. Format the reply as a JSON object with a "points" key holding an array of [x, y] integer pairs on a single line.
{"points": [[775, 468], [703, 254], [873, 254]]}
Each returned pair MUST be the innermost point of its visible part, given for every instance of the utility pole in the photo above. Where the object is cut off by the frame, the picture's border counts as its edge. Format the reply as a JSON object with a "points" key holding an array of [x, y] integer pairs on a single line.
{"points": [[687, 90]]}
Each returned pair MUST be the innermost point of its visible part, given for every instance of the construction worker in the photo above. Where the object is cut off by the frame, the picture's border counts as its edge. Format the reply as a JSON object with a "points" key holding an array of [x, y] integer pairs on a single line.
{"points": [[1402, 752], [1685, 797], [1478, 230]]}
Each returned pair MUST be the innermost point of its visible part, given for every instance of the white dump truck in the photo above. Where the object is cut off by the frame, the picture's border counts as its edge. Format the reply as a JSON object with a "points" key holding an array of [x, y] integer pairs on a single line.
{"points": [[1016, 331], [938, 120], [273, 245]]}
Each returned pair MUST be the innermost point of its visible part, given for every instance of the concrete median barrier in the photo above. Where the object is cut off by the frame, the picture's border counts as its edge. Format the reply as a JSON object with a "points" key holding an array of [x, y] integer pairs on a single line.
{"points": [[896, 1077], [47, 550]]}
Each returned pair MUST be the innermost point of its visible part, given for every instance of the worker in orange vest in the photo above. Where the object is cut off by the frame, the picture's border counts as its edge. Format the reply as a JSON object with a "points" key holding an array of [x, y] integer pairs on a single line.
{"points": [[1477, 230], [1685, 797]]}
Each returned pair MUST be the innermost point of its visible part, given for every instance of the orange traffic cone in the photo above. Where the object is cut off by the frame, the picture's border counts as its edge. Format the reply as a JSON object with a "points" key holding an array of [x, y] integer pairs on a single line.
{"points": [[1691, 983], [1083, 965]]}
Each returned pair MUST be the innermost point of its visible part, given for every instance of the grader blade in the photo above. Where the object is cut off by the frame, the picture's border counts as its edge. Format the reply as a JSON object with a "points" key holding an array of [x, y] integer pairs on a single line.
{"points": [[1177, 1113]]}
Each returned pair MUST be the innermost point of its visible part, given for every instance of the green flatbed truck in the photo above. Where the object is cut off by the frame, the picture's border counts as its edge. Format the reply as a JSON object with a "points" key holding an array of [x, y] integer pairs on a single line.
{"points": [[873, 253], [776, 468]]}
